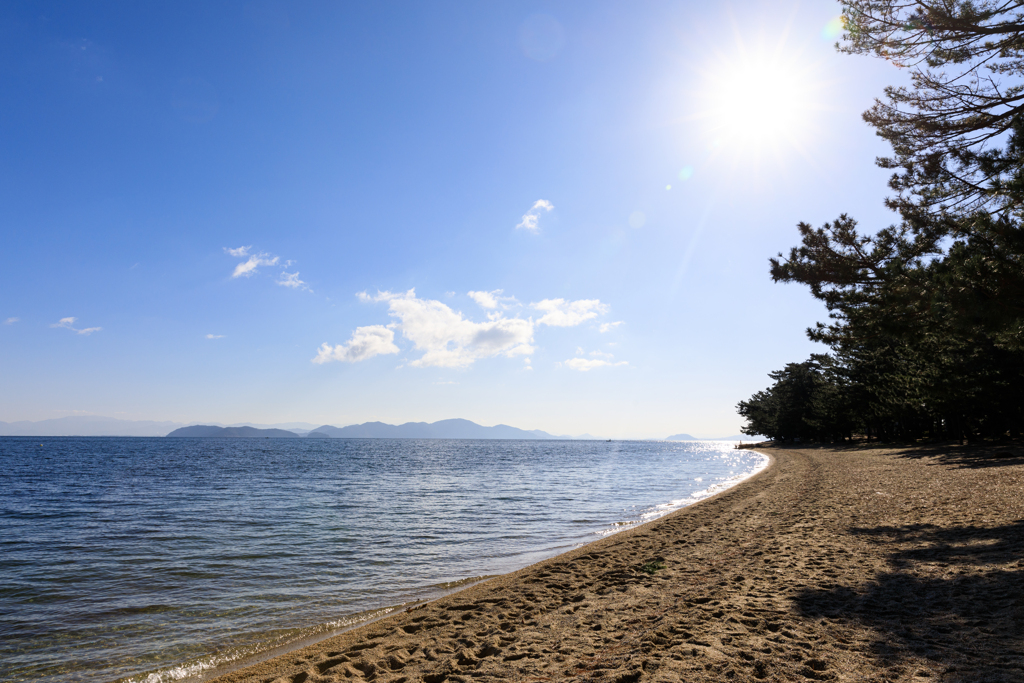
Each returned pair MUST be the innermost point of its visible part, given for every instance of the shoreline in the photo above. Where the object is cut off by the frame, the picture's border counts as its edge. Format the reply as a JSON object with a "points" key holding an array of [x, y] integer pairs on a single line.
{"points": [[204, 670], [839, 564]]}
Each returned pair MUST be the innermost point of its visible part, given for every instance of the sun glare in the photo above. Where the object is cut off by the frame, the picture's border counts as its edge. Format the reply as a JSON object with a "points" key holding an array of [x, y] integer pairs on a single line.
{"points": [[754, 105]]}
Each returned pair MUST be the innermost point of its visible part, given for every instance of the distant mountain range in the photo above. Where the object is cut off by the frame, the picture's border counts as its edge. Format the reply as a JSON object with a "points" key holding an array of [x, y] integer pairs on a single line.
{"points": [[687, 437], [96, 425], [234, 432], [443, 429], [87, 425]]}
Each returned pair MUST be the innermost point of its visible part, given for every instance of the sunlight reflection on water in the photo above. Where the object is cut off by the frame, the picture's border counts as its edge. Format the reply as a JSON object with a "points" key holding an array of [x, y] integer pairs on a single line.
{"points": [[159, 559]]}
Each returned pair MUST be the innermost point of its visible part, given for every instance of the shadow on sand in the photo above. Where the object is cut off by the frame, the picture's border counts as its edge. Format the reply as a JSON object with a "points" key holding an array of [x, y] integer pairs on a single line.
{"points": [[955, 597], [973, 457], [950, 454]]}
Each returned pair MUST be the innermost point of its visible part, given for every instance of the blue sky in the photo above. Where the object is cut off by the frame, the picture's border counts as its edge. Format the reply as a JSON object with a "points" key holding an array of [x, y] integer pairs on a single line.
{"points": [[551, 215]]}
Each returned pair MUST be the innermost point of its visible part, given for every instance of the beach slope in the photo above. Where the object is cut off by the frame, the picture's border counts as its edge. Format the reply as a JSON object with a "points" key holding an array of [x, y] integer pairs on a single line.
{"points": [[839, 565]]}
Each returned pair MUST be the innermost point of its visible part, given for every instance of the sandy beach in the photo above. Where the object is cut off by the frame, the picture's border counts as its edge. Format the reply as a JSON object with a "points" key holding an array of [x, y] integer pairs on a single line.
{"points": [[833, 564]]}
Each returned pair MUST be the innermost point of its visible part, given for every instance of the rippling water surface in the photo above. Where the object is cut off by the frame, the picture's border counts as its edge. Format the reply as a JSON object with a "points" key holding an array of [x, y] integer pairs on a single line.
{"points": [[169, 559]]}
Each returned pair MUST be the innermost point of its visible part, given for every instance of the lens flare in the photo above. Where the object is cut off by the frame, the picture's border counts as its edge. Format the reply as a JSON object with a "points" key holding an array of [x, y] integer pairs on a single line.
{"points": [[833, 29]]}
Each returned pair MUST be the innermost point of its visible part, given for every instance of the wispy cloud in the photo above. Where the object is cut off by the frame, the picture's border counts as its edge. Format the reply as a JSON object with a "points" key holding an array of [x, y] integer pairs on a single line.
{"points": [[367, 298], [562, 313], [69, 324], [493, 299], [11, 321], [531, 217], [215, 336], [598, 359], [366, 342], [605, 327], [588, 364], [248, 268], [254, 261], [292, 280]]}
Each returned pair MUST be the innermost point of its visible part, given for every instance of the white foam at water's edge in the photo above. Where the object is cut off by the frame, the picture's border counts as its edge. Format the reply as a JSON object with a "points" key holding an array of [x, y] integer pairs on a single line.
{"points": [[222, 663], [211, 666], [657, 511]]}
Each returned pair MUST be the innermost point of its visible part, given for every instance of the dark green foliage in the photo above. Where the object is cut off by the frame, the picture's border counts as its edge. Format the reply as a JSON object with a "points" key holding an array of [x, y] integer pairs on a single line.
{"points": [[965, 59], [806, 403], [919, 347], [926, 317]]}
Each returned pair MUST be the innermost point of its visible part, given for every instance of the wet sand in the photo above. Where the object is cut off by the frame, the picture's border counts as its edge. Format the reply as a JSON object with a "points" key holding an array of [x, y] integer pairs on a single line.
{"points": [[841, 565]]}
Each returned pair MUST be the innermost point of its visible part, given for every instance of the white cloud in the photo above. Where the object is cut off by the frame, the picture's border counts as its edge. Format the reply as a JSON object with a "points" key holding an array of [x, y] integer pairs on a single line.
{"points": [[253, 262], [601, 354], [215, 336], [605, 327], [562, 313], [380, 296], [587, 364], [247, 268], [446, 338], [366, 342], [11, 321], [493, 299], [69, 324], [485, 299], [292, 280], [531, 217], [240, 252]]}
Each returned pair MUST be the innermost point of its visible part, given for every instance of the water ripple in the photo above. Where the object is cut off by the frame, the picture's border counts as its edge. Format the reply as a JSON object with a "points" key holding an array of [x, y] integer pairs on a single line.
{"points": [[168, 559]]}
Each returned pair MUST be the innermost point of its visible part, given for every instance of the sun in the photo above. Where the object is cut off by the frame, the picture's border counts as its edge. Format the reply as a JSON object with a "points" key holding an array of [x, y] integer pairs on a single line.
{"points": [[756, 104]]}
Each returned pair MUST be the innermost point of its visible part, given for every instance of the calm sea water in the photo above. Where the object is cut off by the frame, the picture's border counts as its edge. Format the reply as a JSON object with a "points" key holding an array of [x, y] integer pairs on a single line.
{"points": [[170, 559]]}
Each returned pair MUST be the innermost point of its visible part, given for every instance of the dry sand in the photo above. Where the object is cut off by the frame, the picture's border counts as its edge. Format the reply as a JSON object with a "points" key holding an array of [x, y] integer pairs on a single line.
{"points": [[841, 565]]}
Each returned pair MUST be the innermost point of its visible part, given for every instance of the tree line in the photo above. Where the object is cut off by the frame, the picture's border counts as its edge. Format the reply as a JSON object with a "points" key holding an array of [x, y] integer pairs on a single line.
{"points": [[925, 329]]}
